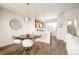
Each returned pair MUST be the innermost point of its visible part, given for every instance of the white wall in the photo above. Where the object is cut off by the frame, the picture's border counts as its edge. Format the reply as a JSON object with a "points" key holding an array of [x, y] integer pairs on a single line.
{"points": [[62, 19], [73, 14], [78, 27], [6, 32], [61, 27], [72, 42]]}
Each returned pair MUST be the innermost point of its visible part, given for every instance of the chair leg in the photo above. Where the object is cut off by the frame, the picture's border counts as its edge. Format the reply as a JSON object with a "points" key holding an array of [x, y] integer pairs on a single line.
{"points": [[23, 50]]}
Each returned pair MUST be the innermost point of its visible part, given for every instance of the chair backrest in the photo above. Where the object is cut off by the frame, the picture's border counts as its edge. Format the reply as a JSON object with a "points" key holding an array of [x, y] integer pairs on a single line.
{"points": [[17, 41], [27, 43]]}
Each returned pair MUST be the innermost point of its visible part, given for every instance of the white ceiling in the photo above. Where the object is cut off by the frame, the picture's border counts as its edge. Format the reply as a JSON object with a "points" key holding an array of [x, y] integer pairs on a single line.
{"points": [[40, 10]]}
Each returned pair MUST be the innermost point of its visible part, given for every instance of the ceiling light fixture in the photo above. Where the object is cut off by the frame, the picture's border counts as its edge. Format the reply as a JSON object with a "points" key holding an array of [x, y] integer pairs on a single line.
{"points": [[28, 15]]}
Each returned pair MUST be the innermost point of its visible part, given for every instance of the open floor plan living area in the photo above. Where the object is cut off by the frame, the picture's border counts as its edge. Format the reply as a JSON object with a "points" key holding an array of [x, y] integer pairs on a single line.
{"points": [[39, 29]]}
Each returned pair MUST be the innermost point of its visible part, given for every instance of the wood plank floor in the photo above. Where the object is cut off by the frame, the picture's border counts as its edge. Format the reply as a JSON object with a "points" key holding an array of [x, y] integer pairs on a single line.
{"points": [[58, 47]]}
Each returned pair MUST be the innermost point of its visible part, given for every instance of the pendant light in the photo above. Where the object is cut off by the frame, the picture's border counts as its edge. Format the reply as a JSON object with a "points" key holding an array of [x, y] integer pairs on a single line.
{"points": [[27, 18], [28, 15]]}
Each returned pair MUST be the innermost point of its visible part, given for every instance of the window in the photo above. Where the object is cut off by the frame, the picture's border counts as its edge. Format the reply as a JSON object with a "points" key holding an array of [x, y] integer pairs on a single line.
{"points": [[51, 27]]}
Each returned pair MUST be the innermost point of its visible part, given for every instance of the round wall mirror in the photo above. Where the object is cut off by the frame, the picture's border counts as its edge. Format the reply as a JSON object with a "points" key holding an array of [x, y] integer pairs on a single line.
{"points": [[15, 24]]}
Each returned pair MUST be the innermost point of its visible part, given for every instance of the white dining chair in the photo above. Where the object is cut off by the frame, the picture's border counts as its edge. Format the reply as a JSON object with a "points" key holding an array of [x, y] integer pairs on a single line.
{"points": [[27, 44], [18, 44], [17, 41]]}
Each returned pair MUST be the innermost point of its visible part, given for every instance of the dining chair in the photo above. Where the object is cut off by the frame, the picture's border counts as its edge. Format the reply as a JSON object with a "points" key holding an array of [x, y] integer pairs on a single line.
{"points": [[27, 44], [18, 42]]}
